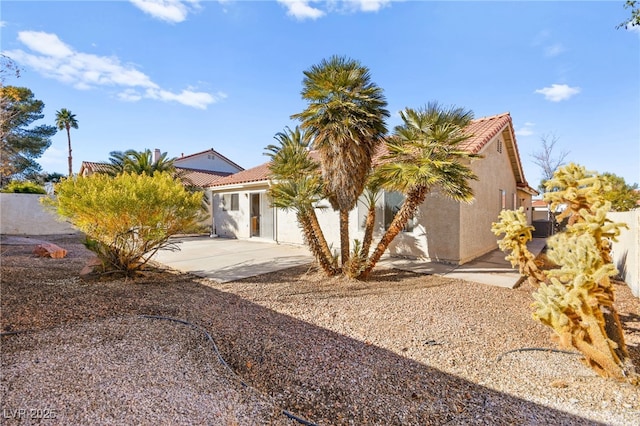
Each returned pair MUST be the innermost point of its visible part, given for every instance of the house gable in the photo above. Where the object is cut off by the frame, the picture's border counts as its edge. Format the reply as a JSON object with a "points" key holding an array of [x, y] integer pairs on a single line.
{"points": [[208, 160]]}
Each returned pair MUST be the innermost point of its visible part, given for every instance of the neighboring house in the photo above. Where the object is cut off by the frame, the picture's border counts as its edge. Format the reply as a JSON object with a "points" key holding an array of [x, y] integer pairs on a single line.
{"points": [[540, 210], [442, 230], [201, 169]]}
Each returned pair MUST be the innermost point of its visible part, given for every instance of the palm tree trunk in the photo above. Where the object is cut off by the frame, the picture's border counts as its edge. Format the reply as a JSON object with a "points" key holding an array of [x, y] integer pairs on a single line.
{"points": [[368, 231], [317, 243], [322, 242], [344, 236], [70, 158], [406, 212]]}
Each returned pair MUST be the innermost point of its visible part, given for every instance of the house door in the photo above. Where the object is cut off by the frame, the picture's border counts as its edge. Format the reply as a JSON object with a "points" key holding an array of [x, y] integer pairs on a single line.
{"points": [[254, 207]]}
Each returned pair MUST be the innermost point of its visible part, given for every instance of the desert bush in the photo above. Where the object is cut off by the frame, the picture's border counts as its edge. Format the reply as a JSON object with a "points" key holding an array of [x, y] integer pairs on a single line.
{"points": [[24, 187], [127, 218], [576, 299]]}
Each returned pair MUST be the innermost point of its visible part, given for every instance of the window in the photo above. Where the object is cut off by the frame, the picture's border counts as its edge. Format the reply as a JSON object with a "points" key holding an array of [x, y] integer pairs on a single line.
{"points": [[231, 202], [503, 199], [392, 204]]}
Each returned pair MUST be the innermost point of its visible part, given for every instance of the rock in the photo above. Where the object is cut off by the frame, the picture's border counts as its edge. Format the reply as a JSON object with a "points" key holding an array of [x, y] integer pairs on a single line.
{"points": [[91, 269], [49, 250]]}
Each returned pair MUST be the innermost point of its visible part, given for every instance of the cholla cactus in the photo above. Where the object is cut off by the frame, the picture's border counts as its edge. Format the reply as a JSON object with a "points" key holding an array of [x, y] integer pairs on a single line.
{"points": [[576, 300]]}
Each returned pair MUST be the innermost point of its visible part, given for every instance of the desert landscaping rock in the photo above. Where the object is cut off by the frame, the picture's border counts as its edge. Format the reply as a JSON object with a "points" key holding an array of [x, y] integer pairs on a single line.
{"points": [[401, 348]]}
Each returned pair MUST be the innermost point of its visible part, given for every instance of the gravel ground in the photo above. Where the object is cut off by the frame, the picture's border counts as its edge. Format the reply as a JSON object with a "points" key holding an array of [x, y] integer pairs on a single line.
{"points": [[399, 349]]}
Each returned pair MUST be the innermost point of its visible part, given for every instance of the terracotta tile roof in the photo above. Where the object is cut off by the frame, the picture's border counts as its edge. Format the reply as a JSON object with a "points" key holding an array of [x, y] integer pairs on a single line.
{"points": [[482, 129], [88, 168], [212, 151], [202, 178], [254, 174]]}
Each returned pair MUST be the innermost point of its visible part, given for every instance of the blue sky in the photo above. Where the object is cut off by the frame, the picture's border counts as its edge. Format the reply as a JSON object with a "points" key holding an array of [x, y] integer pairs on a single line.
{"points": [[186, 76]]}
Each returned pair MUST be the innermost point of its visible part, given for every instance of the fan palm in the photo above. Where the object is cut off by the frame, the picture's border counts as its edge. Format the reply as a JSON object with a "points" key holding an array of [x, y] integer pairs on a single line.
{"points": [[345, 116], [297, 186], [139, 162], [424, 152], [66, 120]]}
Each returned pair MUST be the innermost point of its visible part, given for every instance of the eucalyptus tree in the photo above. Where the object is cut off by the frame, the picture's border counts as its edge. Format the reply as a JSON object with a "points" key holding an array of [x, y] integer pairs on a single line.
{"points": [[345, 116], [65, 120], [424, 152]]}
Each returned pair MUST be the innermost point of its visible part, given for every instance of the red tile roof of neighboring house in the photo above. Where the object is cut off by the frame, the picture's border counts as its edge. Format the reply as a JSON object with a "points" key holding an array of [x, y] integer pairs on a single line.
{"points": [[197, 177], [539, 203], [202, 178], [88, 168], [212, 151], [482, 129]]}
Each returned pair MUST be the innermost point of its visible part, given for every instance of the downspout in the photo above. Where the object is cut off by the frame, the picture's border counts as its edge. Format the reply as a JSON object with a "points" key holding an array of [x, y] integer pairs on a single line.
{"points": [[213, 216]]}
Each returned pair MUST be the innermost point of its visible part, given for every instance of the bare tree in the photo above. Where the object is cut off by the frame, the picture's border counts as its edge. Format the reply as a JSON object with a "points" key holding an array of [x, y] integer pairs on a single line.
{"points": [[546, 160]]}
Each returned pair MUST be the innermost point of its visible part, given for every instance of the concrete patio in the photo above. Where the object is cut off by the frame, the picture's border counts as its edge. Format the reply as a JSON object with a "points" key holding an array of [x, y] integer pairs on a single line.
{"points": [[225, 260]]}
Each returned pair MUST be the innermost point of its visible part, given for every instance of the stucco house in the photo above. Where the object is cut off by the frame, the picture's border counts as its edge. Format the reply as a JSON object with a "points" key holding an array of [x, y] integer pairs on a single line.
{"points": [[442, 230], [201, 169]]}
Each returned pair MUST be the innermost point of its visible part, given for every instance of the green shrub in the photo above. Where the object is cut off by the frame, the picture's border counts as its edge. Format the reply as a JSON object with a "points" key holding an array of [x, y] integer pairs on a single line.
{"points": [[24, 187], [127, 218]]}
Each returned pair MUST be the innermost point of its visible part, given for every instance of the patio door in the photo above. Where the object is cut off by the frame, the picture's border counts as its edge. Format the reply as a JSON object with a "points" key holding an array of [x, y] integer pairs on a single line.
{"points": [[261, 216], [254, 208]]}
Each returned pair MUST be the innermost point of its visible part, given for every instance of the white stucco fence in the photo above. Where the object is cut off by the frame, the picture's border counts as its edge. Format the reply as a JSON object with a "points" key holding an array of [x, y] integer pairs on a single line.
{"points": [[626, 252], [22, 214]]}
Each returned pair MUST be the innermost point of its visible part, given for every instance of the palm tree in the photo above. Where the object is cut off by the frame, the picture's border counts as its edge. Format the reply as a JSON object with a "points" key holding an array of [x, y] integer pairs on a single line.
{"points": [[345, 117], [297, 186], [66, 120], [139, 162], [424, 152]]}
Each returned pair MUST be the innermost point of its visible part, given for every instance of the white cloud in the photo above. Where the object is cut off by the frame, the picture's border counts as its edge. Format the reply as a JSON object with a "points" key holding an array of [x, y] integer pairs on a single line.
{"points": [[525, 130], [554, 50], [85, 71], [171, 11], [365, 5], [188, 97], [41, 42], [558, 92], [301, 10], [3, 24]]}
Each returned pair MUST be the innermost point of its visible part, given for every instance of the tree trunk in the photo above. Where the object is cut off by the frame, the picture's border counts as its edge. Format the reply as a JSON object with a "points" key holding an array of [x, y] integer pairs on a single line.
{"points": [[368, 231], [400, 220], [70, 158], [344, 236], [316, 244], [322, 242]]}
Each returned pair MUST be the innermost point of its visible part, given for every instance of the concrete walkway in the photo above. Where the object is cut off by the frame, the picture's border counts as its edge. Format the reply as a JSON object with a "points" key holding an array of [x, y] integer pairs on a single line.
{"points": [[224, 260], [492, 268]]}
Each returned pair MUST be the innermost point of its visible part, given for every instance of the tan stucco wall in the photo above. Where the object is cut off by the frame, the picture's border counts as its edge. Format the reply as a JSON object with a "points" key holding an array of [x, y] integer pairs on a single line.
{"points": [[626, 252], [446, 230], [495, 173], [22, 214], [436, 235]]}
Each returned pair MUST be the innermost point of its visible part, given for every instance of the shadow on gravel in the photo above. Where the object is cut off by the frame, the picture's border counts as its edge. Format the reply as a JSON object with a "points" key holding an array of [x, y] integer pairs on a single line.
{"points": [[322, 376]]}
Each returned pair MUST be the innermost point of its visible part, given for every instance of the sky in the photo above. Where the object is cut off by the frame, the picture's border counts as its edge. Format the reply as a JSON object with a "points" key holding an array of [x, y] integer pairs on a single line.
{"points": [[185, 76]]}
